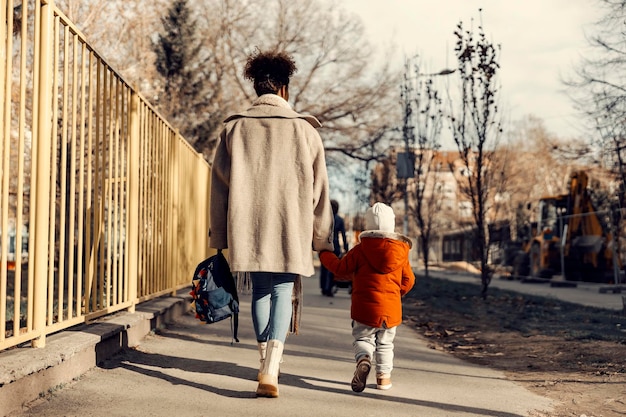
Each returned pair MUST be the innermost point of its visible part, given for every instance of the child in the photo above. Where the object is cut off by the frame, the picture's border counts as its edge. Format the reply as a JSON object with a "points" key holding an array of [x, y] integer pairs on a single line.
{"points": [[381, 274]]}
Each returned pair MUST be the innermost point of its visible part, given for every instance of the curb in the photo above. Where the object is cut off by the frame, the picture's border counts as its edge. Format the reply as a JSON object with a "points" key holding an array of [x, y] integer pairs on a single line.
{"points": [[28, 373]]}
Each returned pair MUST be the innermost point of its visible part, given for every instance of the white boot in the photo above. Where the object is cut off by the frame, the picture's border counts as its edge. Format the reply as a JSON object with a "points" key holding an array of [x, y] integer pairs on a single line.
{"points": [[262, 350], [268, 379]]}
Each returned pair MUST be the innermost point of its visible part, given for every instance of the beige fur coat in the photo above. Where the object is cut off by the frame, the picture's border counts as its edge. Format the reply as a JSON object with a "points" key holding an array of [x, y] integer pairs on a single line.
{"points": [[270, 201]]}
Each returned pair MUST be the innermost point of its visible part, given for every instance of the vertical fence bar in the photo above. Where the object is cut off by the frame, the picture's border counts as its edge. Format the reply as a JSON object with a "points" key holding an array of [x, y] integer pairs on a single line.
{"points": [[163, 202], [108, 192], [167, 207], [21, 168], [175, 204], [52, 143], [71, 265], [89, 201], [141, 251], [94, 176], [60, 279], [118, 192], [114, 180], [80, 243], [43, 174], [132, 232], [34, 155], [120, 223], [101, 189], [151, 197], [5, 127]]}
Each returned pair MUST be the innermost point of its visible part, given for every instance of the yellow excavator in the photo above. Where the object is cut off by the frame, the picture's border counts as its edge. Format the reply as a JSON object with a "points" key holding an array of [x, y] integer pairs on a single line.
{"points": [[569, 239]]}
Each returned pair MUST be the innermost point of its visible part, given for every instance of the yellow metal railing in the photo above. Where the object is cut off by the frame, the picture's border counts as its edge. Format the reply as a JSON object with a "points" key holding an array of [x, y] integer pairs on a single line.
{"points": [[102, 203]]}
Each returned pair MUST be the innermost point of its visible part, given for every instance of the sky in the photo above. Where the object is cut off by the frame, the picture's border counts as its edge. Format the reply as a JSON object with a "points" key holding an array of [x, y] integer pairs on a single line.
{"points": [[541, 40]]}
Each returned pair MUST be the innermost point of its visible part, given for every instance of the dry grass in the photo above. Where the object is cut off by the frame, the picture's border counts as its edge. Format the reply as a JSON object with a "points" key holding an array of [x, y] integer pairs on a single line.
{"points": [[570, 353]]}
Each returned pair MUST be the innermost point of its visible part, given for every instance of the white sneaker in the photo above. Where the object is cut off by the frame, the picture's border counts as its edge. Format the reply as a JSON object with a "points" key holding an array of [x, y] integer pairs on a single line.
{"points": [[383, 381]]}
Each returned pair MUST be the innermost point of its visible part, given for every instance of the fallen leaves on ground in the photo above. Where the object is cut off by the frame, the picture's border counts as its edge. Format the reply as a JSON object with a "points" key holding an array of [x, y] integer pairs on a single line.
{"points": [[573, 354]]}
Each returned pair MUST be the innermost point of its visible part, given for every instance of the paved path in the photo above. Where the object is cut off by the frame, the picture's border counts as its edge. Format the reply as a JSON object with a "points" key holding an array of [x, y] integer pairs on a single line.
{"points": [[190, 369], [584, 293]]}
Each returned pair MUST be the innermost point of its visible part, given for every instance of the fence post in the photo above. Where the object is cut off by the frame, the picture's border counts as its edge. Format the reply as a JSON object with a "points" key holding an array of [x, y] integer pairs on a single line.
{"points": [[175, 249], [132, 232], [42, 193], [205, 194]]}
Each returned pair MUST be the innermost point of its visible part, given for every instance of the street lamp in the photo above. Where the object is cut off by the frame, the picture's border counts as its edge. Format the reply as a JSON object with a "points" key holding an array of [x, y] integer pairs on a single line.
{"points": [[445, 71]]}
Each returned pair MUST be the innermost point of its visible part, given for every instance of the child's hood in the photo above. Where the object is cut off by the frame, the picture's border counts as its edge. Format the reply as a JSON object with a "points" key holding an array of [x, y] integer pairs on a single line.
{"points": [[385, 251]]}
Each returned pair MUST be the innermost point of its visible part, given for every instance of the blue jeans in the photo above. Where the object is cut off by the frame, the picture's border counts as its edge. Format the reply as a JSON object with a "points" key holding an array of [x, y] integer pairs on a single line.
{"points": [[271, 304]]}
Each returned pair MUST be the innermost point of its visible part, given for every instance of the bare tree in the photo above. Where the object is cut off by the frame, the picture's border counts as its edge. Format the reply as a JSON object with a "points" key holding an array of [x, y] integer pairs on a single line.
{"points": [[191, 75], [384, 182], [540, 170], [422, 124], [337, 79], [122, 32], [476, 128], [599, 89]]}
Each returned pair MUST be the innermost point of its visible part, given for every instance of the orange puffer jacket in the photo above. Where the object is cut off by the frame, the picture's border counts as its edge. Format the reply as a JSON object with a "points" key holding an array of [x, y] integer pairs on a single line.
{"points": [[380, 273]]}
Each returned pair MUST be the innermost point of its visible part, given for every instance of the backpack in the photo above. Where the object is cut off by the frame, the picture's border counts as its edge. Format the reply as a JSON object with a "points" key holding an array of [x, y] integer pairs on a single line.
{"points": [[214, 292]]}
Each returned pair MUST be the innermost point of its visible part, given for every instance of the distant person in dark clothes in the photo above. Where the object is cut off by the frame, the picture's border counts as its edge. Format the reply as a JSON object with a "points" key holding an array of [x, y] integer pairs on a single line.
{"points": [[326, 277]]}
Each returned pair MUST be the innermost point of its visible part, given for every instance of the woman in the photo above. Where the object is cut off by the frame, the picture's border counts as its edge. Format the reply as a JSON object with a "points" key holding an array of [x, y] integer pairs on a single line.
{"points": [[270, 202]]}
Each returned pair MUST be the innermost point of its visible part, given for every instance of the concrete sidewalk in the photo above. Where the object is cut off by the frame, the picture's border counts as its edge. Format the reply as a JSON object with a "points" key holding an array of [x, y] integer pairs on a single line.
{"points": [[191, 369]]}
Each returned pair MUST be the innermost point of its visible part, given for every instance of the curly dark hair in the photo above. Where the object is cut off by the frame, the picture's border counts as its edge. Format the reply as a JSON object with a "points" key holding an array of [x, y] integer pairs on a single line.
{"points": [[269, 71]]}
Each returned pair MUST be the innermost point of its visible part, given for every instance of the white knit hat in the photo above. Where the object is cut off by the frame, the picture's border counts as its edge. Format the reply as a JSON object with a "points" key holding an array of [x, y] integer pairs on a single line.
{"points": [[380, 217]]}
